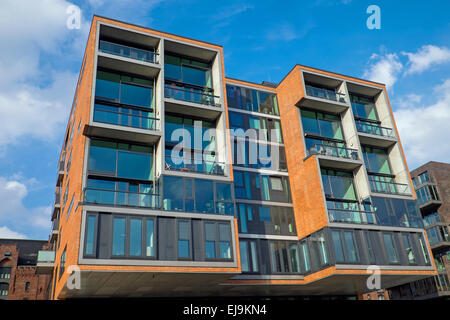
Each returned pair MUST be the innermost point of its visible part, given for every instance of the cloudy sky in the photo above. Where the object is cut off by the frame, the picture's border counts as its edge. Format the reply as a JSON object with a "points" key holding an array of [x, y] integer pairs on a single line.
{"points": [[41, 57]]}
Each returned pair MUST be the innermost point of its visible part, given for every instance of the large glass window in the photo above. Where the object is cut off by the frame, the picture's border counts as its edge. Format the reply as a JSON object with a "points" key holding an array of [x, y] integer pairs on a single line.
{"points": [[305, 256], [390, 247], [187, 70], [252, 100], [210, 240], [350, 246], [121, 159], [184, 239], [204, 196], [224, 241], [135, 237], [363, 107], [294, 255], [322, 124], [338, 184], [90, 234], [397, 212], [5, 272], [125, 89], [408, 249], [338, 249], [119, 234], [149, 238], [376, 160], [248, 252]]}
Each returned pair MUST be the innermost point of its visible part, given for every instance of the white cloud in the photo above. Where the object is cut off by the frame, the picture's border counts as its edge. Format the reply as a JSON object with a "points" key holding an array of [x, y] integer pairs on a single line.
{"points": [[230, 11], [426, 57], [286, 32], [35, 99], [13, 211], [424, 129], [6, 233], [384, 68]]}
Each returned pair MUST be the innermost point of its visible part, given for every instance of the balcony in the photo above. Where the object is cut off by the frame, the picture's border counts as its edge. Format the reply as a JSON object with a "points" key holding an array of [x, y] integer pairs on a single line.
{"points": [[185, 92], [57, 204], [351, 216], [335, 157], [439, 237], [190, 165], [123, 116], [55, 230], [128, 52], [324, 99], [45, 262], [389, 187], [373, 134], [61, 172], [432, 219], [122, 198]]}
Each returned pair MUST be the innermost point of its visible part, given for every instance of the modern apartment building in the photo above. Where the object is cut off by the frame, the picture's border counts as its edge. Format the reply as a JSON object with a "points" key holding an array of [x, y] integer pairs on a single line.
{"points": [[432, 184], [19, 279], [331, 196]]}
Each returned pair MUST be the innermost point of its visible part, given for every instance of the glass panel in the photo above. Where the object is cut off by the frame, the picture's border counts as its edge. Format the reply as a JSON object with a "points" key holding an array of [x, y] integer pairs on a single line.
{"points": [[136, 95], [134, 165], [149, 239], [102, 158], [305, 255], [350, 246], [118, 248], [390, 249], [107, 86], [223, 191], [408, 248], [173, 198], [90, 236], [255, 266], [295, 261], [135, 237], [244, 256], [204, 196], [336, 235]]}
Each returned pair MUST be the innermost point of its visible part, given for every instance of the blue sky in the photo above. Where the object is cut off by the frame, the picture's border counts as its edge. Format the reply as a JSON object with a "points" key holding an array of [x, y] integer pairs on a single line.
{"points": [[262, 40]]}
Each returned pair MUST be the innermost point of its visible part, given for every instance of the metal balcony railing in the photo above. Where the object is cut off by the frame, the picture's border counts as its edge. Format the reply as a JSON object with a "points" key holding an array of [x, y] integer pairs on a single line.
{"points": [[352, 216], [46, 256], [389, 187], [189, 165], [370, 128], [128, 52], [122, 198], [102, 114], [184, 92], [332, 151], [325, 94]]}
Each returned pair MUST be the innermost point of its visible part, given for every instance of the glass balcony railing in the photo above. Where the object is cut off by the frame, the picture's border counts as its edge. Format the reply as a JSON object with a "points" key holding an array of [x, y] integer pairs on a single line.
{"points": [[46, 256], [189, 165], [128, 52], [338, 152], [55, 225], [179, 91], [325, 94], [366, 127], [122, 198], [127, 117], [352, 216], [431, 219], [61, 166], [438, 234], [389, 187]]}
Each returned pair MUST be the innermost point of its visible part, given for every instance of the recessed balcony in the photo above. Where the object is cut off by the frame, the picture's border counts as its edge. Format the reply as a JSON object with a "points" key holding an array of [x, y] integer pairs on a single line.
{"points": [[324, 99], [375, 135], [45, 262], [61, 172], [55, 230], [122, 198], [335, 157], [351, 216], [180, 164], [439, 237], [389, 187], [128, 52]]}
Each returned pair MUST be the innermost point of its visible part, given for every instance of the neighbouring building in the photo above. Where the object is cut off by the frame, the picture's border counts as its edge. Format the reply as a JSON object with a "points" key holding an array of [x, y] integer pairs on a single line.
{"points": [[18, 277], [432, 184], [332, 197]]}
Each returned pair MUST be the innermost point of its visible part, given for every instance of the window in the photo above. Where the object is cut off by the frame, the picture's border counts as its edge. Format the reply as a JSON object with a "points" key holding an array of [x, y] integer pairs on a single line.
{"points": [[187, 70], [90, 235], [350, 246], [119, 234], [338, 185], [4, 289], [424, 250], [204, 196], [275, 257], [276, 183], [338, 249], [249, 261], [210, 243], [319, 240], [294, 256], [70, 206], [27, 286], [5, 272], [149, 239], [363, 107], [390, 248], [305, 256], [184, 236], [135, 237], [62, 264], [225, 241], [323, 125], [369, 248], [252, 100], [408, 249]]}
